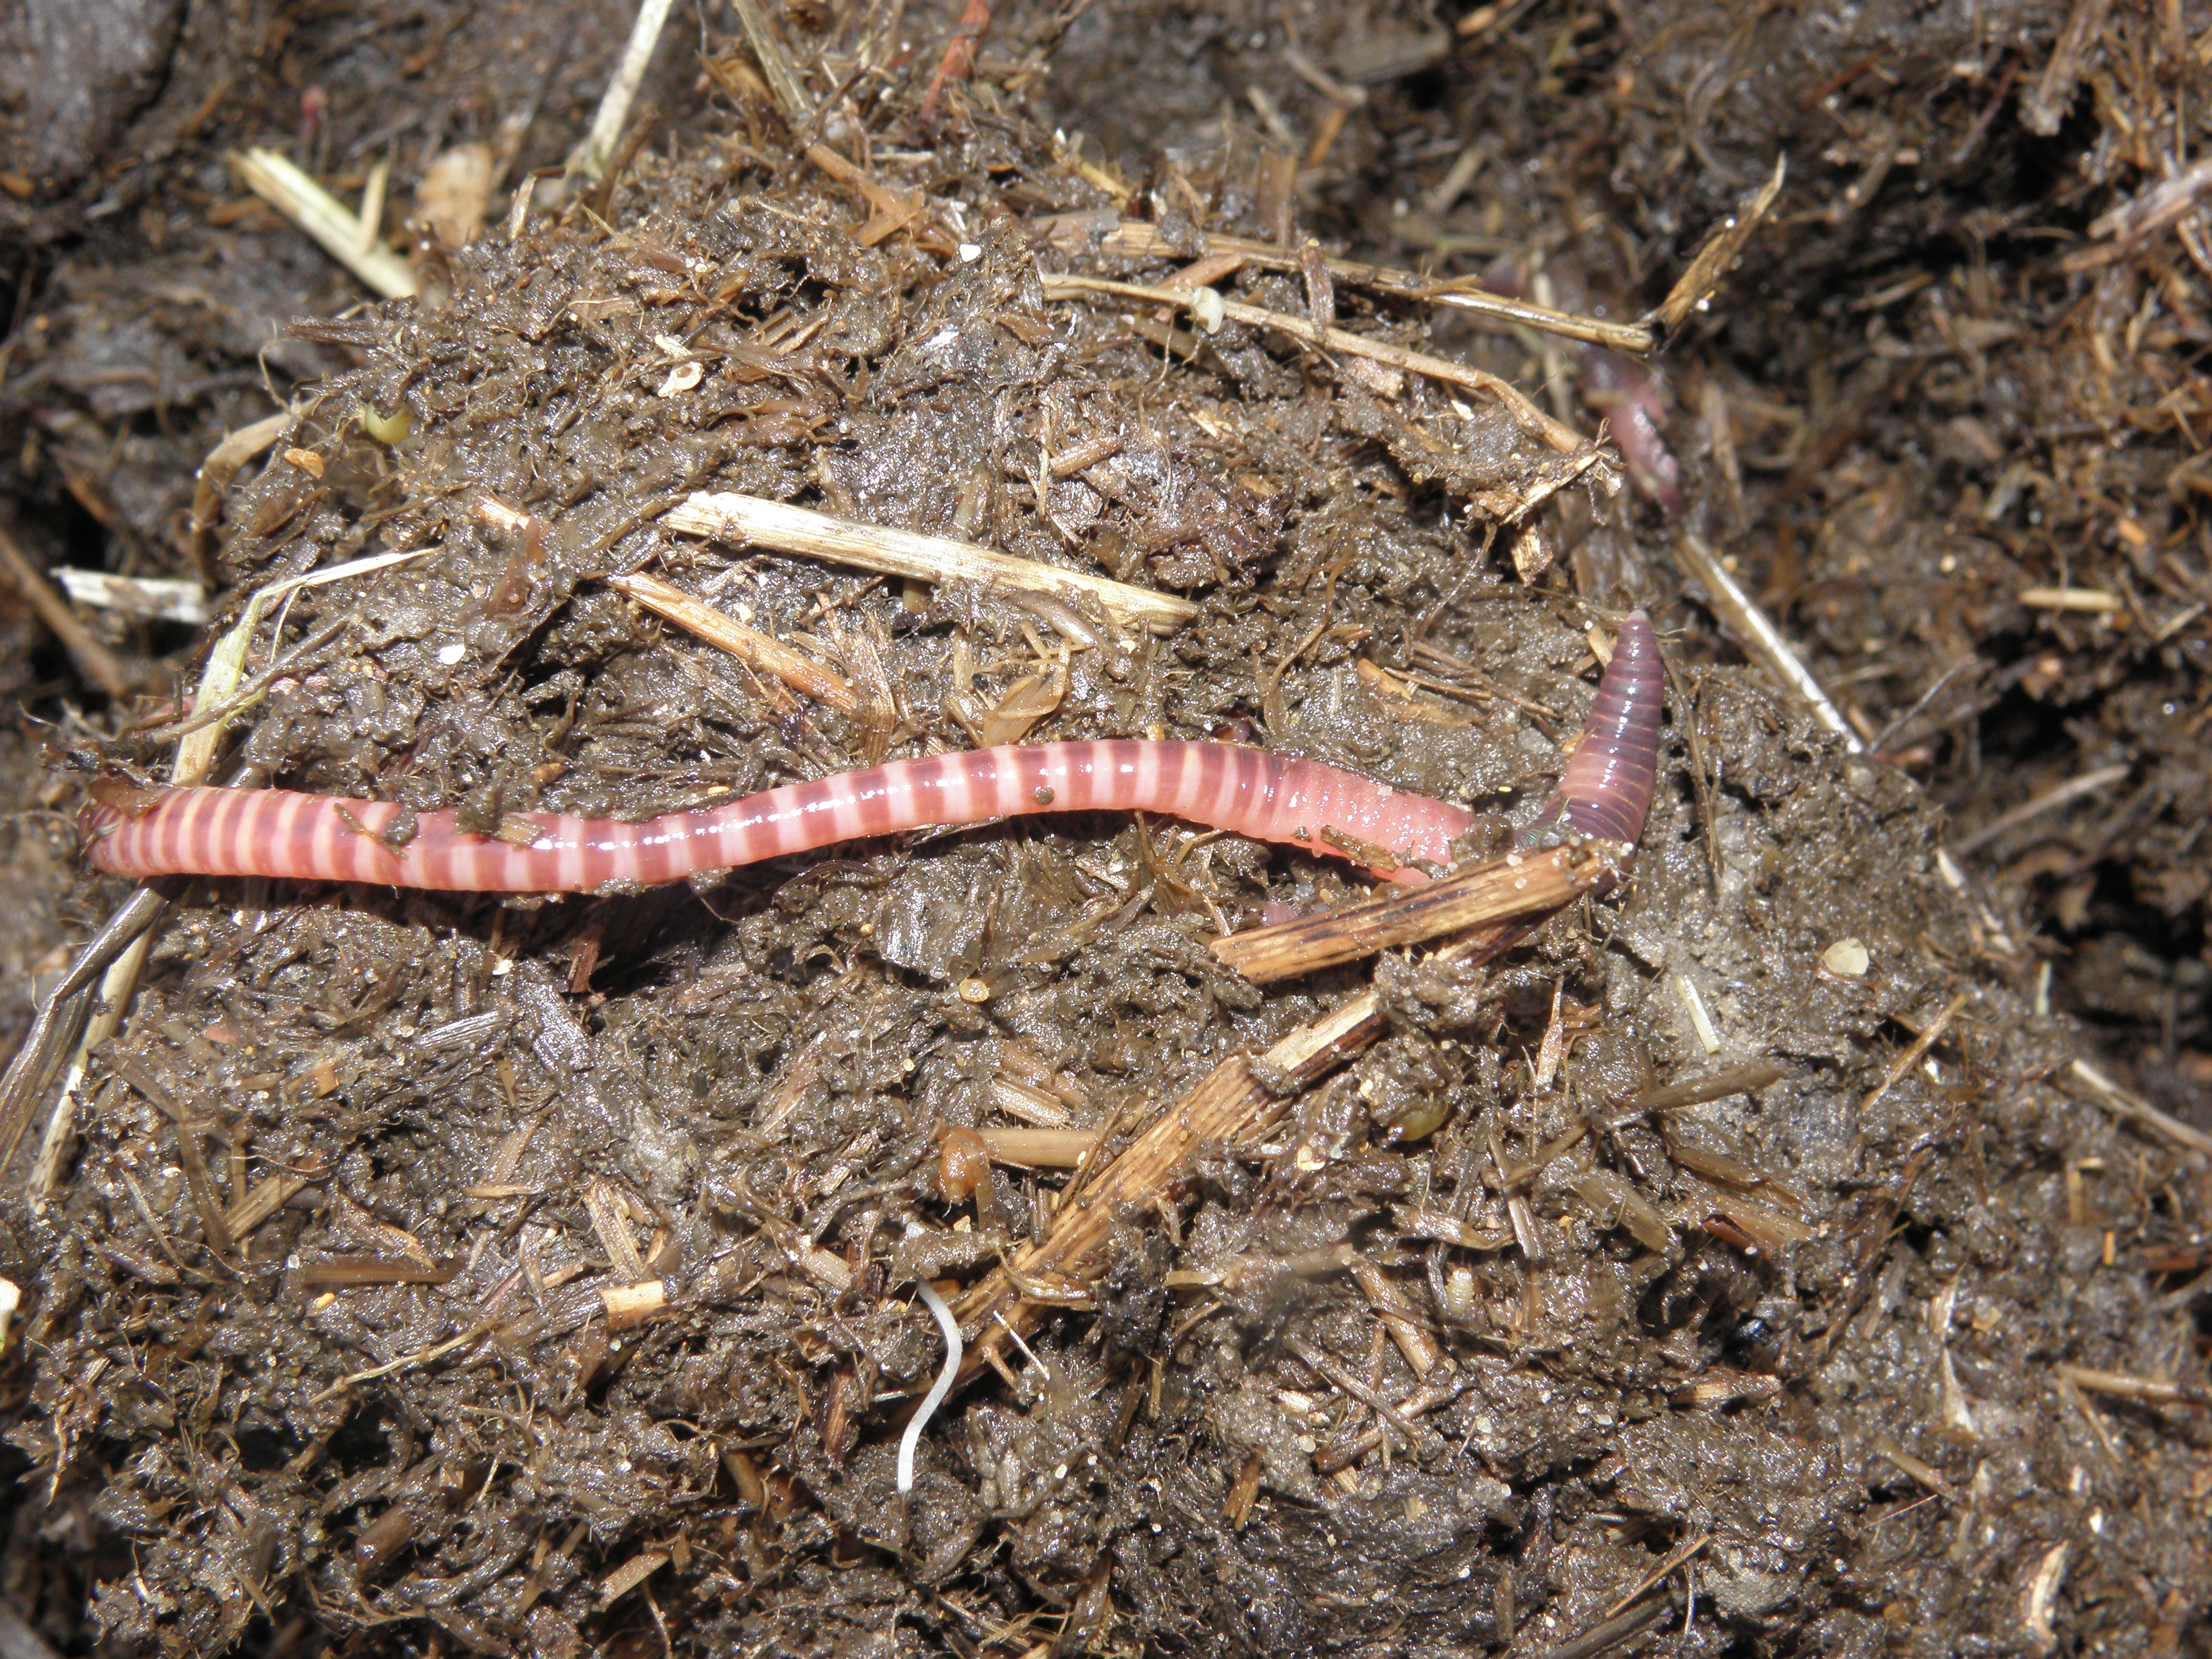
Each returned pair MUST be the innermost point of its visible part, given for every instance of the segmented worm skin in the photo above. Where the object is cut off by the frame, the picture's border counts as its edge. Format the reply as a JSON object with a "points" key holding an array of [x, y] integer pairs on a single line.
{"points": [[271, 832], [1606, 788]]}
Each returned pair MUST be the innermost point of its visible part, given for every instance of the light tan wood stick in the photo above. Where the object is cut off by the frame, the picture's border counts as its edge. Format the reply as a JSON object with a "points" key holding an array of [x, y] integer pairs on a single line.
{"points": [[761, 651], [750, 522]]}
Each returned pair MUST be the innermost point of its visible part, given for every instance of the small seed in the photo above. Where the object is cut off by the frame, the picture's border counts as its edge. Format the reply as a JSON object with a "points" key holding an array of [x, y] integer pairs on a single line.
{"points": [[1846, 957]]}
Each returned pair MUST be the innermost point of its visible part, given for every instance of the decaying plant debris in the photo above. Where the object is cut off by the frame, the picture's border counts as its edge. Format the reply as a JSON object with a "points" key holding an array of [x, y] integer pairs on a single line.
{"points": [[1748, 1249]]}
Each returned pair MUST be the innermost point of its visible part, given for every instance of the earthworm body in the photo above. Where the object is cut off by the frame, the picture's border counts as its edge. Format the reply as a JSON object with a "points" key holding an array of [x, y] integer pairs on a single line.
{"points": [[1606, 788], [1605, 792]]}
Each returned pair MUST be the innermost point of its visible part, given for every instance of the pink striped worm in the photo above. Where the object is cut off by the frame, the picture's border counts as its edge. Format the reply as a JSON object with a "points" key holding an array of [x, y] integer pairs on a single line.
{"points": [[1606, 788], [274, 832]]}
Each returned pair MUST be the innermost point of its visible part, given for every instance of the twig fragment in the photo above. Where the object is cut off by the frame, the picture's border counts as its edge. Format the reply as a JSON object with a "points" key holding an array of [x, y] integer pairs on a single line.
{"points": [[1658, 1573], [1759, 636], [1507, 895], [1533, 419], [1039, 1149], [750, 521], [1696, 1091], [2093, 601], [162, 599], [94, 660], [1346, 1379], [756, 650], [1609, 1633], [1430, 1396], [1238, 1099], [1912, 1056], [789, 91], [2043, 110], [1139, 239], [2085, 783], [55, 1027], [2121, 1104], [1695, 286], [2127, 1386]]}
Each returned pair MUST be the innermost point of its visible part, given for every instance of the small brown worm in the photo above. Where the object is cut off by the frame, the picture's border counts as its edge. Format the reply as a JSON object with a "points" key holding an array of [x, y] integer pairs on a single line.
{"points": [[1303, 802]]}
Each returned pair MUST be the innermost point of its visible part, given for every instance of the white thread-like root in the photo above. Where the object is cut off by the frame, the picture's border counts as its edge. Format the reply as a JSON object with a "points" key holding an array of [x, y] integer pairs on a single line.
{"points": [[943, 1386]]}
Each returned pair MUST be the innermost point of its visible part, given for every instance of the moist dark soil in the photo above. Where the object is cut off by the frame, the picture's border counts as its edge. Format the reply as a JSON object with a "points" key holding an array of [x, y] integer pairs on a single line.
{"points": [[1801, 1249]]}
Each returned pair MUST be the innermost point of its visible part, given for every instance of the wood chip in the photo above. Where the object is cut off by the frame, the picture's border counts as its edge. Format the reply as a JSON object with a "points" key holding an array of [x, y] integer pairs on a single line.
{"points": [[1506, 897], [634, 1304]]}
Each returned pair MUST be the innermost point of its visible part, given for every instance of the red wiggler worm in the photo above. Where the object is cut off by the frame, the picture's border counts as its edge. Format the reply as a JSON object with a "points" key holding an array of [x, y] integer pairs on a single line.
{"points": [[274, 832], [1606, 788]]}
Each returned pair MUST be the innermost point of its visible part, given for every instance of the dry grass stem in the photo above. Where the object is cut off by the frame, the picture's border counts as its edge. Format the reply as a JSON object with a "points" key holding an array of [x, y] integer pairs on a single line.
{"points": [[2044, 108], [1352, 1382], [1696, 1091], [345, 1271], [591, 157], [1695, 286], [1659, 1572], [1399, 1317], [1925, 1472], [1231, 1104], [1912, 1056], [2087, 783], [633, 1304], [1533, 419], [1504, 897], [763, 653], [55, 1027], [790, 92], [268, 1195], [1140, 240], [750, 521], [334, 227], [1430, 1396], [2132, 1387], [2119, 1102], [1610, 1633], [436, 1350], [2093, 601], [1759, 636]]}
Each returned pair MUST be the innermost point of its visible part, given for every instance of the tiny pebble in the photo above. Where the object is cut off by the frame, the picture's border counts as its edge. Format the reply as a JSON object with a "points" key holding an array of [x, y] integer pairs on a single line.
{"points": [[970, 253]]}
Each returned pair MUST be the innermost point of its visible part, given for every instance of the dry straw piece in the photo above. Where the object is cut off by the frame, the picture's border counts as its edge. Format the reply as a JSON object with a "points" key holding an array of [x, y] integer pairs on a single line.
{"points": [[750, 521], [1506, 895]]}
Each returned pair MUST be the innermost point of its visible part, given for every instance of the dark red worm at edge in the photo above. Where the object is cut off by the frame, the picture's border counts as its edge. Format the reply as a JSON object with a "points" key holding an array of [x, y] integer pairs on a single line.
{"points": [[277, 833]]}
